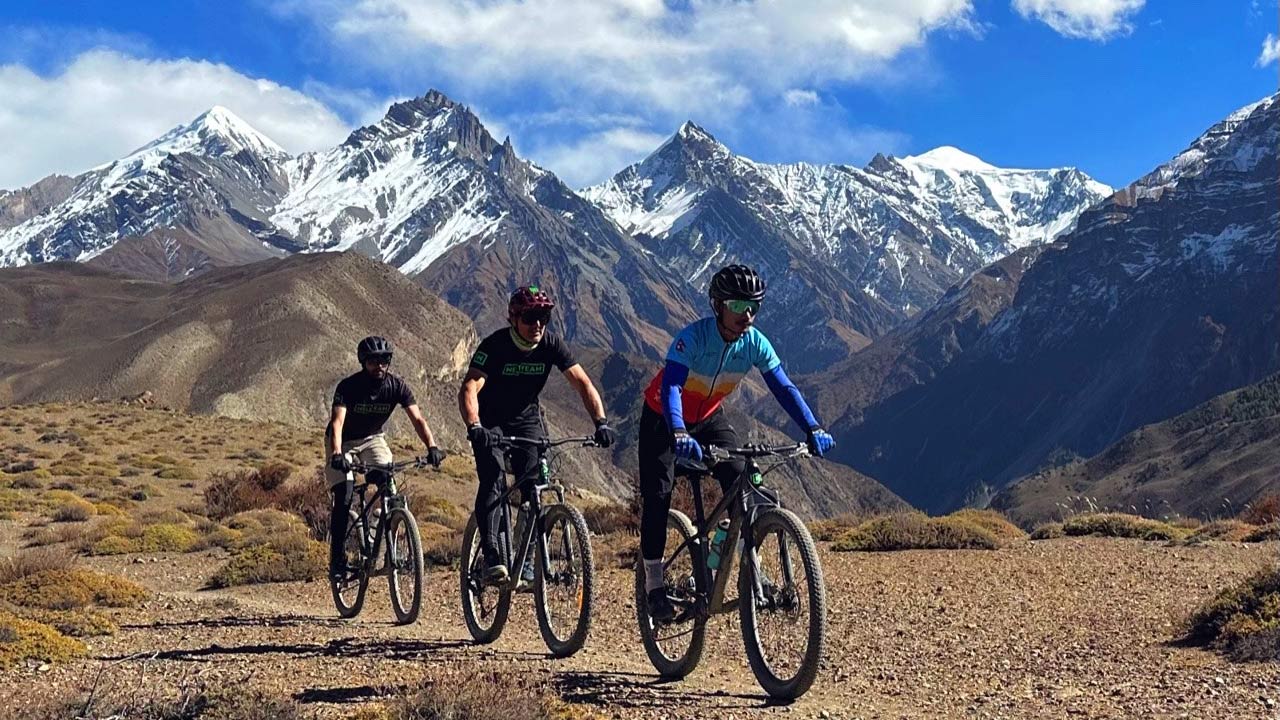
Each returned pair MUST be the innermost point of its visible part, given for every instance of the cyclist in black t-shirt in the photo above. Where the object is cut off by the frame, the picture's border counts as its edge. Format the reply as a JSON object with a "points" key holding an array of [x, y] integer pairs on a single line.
{"points": [[362, 403], [499, 395]]}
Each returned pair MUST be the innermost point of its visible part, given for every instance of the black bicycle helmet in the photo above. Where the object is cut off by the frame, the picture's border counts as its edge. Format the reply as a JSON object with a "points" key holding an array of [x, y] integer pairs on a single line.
{"points": [[736, 282], [373, 346]]}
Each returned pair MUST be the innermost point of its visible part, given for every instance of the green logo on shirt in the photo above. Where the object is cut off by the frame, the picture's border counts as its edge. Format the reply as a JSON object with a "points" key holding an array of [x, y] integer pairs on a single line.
{"points": [[524, 369], [479, 358]]}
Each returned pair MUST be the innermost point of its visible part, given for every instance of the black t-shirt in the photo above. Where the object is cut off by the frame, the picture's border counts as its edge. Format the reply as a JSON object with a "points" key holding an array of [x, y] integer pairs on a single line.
{"points": [[513, 377], [369, 402]]}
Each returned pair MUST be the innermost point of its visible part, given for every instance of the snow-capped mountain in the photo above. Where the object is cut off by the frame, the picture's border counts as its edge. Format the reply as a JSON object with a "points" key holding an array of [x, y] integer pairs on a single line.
{"points": [[851, 251], [1164, 296], [213, 180]]}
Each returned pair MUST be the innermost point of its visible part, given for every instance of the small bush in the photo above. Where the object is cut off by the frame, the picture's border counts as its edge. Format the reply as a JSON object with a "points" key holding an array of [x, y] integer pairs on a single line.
{"points": [[828, 529], [1244, 618], [1267, 532], [71, 589], [606, 518], [282, 559], [991, 521], [22, 640], [1121, 525], [268, 487], [1224, 530], [431, 509], [30, 562], [163, 702], [1263, 511], [1048, 531], [181, 472], [490, 696], [73, 623], [19, 467], [77, 510], [441, 545], [915, 531]]}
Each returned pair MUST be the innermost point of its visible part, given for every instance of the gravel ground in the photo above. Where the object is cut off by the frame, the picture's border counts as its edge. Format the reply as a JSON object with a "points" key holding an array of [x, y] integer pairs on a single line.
{"points": [[1071, 628]]}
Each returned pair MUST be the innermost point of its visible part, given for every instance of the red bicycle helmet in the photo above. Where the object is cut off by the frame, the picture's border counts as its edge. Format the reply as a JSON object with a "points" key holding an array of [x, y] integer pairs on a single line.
{"points": [[528, 297]]}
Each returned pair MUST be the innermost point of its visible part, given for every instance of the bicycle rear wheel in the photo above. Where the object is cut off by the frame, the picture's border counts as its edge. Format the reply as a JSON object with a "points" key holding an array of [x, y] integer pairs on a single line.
{"points": [[348, 591], [565, 587], [674, 647], [784, 626], [404, 565], [484, 607]]}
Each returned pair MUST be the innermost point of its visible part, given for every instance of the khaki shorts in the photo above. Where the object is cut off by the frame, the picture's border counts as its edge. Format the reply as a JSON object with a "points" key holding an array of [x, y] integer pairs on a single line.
{"points": [[372, 449]]}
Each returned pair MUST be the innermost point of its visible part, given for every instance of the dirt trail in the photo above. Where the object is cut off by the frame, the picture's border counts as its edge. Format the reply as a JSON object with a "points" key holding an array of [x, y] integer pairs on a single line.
{"points": [[1059, 629]]}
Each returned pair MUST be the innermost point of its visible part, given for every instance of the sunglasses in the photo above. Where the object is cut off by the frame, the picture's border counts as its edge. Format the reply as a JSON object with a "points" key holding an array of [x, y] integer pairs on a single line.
{"points": [[535, 316], [379, 360], [743, 306]]}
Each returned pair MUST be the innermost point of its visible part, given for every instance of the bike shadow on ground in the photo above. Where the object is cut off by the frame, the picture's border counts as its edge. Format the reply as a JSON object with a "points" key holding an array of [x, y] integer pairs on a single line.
{"points": [[347, 695], [238, 621], [634, 690], [386, 649]]}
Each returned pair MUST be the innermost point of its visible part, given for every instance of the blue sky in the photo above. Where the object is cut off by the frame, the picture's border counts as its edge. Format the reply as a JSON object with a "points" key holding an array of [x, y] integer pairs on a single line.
{"points": [[586, 86]]}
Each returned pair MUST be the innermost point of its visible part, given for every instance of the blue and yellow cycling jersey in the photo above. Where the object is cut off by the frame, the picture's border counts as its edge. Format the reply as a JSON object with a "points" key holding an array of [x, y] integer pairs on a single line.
{"points": [[715, 367]]}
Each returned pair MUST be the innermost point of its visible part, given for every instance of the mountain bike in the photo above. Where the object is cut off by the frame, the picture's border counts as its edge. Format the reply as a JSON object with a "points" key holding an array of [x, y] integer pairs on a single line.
{"points": [[384, 514], [782, 600], [564, 575]]}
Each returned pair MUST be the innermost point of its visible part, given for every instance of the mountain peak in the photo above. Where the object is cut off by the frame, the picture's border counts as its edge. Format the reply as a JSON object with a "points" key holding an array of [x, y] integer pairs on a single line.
{"points": [[215, 132], [951, 157], [691, 132]]}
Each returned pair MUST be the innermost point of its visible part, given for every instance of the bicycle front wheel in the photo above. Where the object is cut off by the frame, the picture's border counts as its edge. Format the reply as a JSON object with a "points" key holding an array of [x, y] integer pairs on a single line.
{"points": [[564, 590], [484, 607], [675, 647], [404, 565], [784, 620], [348, 591]]}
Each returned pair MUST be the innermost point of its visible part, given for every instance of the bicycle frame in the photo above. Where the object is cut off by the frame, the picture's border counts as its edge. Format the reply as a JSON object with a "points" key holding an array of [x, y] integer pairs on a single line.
{"points": [[527, 519], [734, 503], [385, 494]]}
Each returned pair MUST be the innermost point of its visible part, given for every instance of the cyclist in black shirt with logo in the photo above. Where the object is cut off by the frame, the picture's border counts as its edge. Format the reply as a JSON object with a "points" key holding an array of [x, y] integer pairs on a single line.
{"points": [[499, 395], [362, 403]]}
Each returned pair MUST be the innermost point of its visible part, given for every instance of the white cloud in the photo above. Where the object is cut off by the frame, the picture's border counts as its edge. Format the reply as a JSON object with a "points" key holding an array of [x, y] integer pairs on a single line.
{"points": [[595, 156], [1270, 51], [1085, 19], [104, 104], [688, 57], [796, 97]]}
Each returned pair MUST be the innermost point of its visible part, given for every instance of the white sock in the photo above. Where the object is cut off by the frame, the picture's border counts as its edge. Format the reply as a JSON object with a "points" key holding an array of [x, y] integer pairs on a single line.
{"points": [[653, 575]]}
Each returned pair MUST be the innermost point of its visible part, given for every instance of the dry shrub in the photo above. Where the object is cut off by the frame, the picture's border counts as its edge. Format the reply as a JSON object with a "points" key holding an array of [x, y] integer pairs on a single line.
{"points": [[1224, 530], [1122, 525], [1263, 511], [1243, 620], [22, 640], [992, 521], [828, 529], [1048, 531], [490, 695], [281, 559], [30, 562], [441, 545], [71, 589], [915, 531], [205, 700], [268, 487], [77, 510], [1267, 532], [609, 518], [431, 509], [74, 623]]}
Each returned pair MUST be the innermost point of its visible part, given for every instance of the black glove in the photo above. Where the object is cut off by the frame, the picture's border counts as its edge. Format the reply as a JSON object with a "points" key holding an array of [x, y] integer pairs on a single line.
{"points": [[604, 434], [483, 438], [435, 456], [340, 462]]}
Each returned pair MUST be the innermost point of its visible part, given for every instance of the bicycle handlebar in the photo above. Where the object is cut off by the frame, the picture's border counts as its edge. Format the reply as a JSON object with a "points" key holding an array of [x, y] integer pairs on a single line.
{"points": [[364, 468], [546, 443], [718, 454]]}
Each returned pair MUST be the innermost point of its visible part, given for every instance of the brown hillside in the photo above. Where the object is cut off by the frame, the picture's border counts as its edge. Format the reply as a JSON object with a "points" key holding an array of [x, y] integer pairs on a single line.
{"points": [[1209, 461]]}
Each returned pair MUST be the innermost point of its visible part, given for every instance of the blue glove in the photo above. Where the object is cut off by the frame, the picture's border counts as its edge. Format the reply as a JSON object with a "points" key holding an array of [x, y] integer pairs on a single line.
{"points": [[687, 448], [820, 441]]}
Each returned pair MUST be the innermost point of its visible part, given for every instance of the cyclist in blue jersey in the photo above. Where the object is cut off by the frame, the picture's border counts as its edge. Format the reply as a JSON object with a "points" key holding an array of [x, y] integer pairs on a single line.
{"points": [[682, 411]]}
